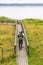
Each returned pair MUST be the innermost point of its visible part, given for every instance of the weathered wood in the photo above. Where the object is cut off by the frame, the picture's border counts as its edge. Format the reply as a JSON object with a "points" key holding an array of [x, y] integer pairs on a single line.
{"points": [[26, 40], [15, 39], [2, 51], [21, 54]]}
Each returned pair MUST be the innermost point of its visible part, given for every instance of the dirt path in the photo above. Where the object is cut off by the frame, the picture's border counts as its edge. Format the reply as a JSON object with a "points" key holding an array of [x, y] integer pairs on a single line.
{"points": [[21, 54]]}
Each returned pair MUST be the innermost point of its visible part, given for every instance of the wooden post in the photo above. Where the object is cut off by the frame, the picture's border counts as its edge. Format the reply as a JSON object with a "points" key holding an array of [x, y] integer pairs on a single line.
{"points": [[2, 55], [28, 50], [14, 49]]}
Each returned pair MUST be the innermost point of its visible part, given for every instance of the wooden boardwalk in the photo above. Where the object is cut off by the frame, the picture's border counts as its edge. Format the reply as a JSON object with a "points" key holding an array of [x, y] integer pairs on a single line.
{"points": [[21, 54]]}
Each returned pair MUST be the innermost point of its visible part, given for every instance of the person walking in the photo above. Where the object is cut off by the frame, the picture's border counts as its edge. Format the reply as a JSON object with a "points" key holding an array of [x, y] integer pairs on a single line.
{"points": [[20, 40]]}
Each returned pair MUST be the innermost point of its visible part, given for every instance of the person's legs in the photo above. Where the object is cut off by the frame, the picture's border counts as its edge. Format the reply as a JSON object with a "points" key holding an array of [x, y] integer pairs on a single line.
{"points": [[19, 44], [22, 42]]}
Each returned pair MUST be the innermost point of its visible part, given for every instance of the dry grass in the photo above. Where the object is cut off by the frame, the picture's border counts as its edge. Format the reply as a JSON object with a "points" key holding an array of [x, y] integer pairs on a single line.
{"points": [[7, 33]]}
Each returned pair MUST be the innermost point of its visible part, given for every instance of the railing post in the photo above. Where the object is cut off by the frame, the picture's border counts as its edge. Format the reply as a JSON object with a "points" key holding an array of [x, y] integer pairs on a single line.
{"points": [[27, 49], [2, 55]]}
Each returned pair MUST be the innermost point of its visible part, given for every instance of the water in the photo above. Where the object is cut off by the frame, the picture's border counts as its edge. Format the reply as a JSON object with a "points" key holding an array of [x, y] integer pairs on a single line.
{"points": [[21, 12]]}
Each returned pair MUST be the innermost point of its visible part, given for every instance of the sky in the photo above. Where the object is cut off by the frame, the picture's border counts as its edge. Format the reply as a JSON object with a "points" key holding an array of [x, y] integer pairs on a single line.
{"points": [[21, 1], [22, 12], [15, 12]]}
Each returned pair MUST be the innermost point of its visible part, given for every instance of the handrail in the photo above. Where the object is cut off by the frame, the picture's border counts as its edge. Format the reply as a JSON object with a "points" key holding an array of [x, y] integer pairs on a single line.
{"points": [[8, 23], [15, 38], [26, 40]]}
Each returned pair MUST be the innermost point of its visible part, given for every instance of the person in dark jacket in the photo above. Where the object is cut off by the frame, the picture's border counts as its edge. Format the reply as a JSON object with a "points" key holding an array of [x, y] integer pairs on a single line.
{"points": [[20, 39]]}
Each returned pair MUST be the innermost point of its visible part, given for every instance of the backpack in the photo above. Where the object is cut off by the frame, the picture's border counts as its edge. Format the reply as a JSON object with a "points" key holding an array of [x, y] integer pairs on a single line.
{"points": [[20, 37]]}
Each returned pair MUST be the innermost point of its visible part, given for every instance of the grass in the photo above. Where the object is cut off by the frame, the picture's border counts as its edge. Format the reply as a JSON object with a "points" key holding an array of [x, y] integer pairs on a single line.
{"points": [[7, 35], [34, 30], [4, 19]]}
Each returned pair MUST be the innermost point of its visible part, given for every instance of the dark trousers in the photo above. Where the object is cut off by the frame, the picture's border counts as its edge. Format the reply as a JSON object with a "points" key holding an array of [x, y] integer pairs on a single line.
{"points": [[20, 44]]}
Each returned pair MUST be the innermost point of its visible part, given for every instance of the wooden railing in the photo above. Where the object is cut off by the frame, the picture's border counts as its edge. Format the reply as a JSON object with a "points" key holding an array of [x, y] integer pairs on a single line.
{"points": [[15, 43], [8, 23], [25, 38]]}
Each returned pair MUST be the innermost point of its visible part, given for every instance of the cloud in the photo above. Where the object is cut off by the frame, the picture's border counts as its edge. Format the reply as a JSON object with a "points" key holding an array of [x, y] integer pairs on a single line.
{"points": [[21, 1]]}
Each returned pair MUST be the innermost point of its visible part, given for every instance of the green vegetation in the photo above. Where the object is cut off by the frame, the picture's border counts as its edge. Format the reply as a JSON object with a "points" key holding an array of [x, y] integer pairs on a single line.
{"points": [[34, 21], [6, 20], [34, 30], [7, 35]]}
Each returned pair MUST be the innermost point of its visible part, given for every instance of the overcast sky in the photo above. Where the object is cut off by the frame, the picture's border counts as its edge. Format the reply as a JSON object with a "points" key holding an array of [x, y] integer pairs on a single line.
{"points": [[21, 1], [22, 12]]}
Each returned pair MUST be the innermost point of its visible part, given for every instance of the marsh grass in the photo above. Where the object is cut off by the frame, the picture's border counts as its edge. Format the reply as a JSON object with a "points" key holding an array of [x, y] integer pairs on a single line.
{"points": [[7, 36], [34, 32]]}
